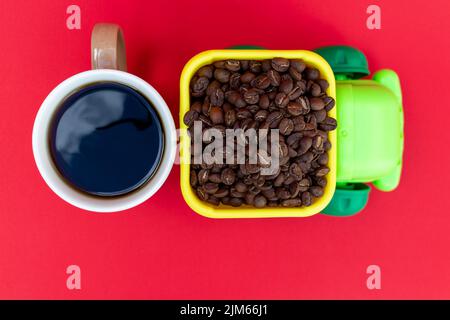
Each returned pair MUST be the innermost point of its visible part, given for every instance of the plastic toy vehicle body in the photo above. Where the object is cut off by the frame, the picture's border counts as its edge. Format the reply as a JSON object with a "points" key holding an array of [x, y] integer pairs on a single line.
{"points": [[368, 142]]}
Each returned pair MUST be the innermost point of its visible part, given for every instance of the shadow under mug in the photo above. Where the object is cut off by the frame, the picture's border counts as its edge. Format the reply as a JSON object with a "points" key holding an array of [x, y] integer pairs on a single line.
{"points": [[109, 65]]}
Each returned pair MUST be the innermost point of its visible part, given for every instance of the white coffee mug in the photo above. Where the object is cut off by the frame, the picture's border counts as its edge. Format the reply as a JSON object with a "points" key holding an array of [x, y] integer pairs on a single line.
{"points": [[108, 64]]}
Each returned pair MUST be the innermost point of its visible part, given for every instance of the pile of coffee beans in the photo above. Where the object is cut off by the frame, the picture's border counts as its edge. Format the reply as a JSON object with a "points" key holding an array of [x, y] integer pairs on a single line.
{"points": [[270, 94]]}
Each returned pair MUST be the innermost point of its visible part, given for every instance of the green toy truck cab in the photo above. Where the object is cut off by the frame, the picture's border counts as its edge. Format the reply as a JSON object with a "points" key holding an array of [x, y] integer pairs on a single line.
{"points": [[370, 129]]}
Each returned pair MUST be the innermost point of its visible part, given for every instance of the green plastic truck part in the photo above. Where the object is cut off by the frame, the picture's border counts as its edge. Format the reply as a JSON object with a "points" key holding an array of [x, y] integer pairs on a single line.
{"points": [[370, 129]]}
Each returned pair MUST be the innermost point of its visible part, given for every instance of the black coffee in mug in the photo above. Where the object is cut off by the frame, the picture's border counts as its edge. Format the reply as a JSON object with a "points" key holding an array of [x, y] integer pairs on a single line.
{"points": [[106, 139]]}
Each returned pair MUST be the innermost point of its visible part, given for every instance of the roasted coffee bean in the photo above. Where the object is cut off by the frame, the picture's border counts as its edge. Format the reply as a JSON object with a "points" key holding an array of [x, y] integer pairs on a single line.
{"points": [[281, 100], [295, 93], [244, 65], [222, 75], [318, 143], [243, 114], [306, 199], [203, 176], [249, 199], [214, 177], [294, 138], [232, 96], [295, 74], [316, 191], [295, 170], [235, 80], [193, 178], [295, 108], [196, 106], [282, 193], [260, 201], [261, 82], [225, 87], [329, 103], [241, 187], [235, 202], [227, 106], [315, 90], [320, 115], [310, 125], [323, 84], [274, 77], [322, 171], [298, 65], [274, 116], [286, 126], [272, 204], [291, 202], [304, 185], [299, 123], [230, 117], [279, 180], [269, 194], [206, 71], [264, 101], [200, 84], [292, 153], [213, 200], [302, 85], [321, 181], [307, 157], [283, 149], [190, 117], [316, 104], [304, 102], [233, 65], [251, 96], [305, 145], [261, 115], [328, 124], [254, 108], [248, 124], [306, 166], [206, 166], [323, 159], [219, 64], [280, 64], [202, 194], [211, 187], [251, 168], [236, 194], [254, 189], [255, 66], [217, 97], [212, 86], [294, 189], [216, 115], [228, 176], [312, 73], [247, 77], [286, 85]]}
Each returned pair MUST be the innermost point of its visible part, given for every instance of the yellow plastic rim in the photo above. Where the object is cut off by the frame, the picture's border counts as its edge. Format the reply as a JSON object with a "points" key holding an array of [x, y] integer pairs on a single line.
{"points": [[208, 210]]}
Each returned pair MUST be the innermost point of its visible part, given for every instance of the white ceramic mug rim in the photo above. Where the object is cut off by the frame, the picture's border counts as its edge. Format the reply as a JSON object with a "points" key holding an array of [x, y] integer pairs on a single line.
{"points": [[45, 164]]}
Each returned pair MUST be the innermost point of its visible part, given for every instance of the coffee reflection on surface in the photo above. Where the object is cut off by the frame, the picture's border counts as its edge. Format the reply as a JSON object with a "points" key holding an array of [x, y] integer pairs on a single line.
{"points": [[106, 139]]}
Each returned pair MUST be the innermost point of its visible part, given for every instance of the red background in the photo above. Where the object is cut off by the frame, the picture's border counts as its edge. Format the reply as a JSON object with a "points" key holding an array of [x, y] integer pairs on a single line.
{"points": [[161, 249]]}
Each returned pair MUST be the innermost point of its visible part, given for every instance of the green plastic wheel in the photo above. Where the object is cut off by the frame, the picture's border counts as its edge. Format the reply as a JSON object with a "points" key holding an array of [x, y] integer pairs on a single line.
{"points": [[346, 62], [348, 200]]}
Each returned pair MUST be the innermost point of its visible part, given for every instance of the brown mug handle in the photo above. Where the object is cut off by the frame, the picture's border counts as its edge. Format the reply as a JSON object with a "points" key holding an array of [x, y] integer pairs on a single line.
{"points": [[108, 47]]}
